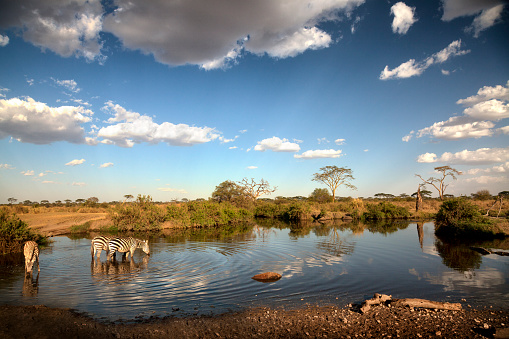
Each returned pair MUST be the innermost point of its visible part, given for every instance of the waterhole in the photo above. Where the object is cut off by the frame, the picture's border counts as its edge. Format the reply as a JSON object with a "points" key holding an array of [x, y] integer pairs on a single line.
{"points": [[204, 272]]}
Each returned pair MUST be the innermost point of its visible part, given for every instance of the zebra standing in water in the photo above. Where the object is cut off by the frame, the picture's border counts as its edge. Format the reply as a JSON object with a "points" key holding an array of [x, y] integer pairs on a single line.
{"points": [[126, 245], [98, 244], [31, 252]]}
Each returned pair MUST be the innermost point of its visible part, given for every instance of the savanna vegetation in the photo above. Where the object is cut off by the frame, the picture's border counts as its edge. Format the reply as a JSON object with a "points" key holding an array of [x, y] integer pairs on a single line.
{"points": [[14, 232], [237, 202]]}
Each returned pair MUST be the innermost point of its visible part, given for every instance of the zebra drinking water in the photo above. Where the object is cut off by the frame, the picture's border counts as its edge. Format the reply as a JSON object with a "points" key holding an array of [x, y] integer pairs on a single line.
{"points": [[31, 252], [126, 245], [98, 244]]}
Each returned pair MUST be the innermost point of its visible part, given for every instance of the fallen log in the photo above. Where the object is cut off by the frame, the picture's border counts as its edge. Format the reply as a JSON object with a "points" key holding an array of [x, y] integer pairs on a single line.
{"points": [[423, 303], [410, 302], [376, 300]]}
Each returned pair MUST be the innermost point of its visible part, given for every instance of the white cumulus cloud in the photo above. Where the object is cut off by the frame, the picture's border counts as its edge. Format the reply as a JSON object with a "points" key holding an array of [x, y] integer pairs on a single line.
{"points": [[277, 145], [75, 162], [62, 26], [31, 121], [404, 17], [487, 93], [106, 164], [209, 34], [4, 40], [321, 153], [71, 85], [213, 34], [412, 68], [131, 128], [427, 157], [487, 179], [502, 168], [479, 118], [170, 189], [479, 156], [487, 12]]}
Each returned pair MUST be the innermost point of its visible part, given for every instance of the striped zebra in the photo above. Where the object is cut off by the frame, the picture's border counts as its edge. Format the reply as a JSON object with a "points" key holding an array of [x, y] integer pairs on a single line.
{"points": [[31, 252], [98, 244], [127, 245]]}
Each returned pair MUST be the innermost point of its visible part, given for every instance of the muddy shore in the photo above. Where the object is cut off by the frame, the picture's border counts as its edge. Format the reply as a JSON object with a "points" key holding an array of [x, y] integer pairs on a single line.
{"points": [[311, 322]]}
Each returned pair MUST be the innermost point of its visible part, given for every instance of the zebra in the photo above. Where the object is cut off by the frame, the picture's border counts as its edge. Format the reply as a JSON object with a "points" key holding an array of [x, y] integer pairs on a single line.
{"points": [[98, 244], [127, 245], [31, 252]]}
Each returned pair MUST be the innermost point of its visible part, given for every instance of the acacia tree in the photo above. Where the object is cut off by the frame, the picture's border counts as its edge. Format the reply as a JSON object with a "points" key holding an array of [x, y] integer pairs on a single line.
{"points": [[333, 177], [254, 189], [439, 183]]}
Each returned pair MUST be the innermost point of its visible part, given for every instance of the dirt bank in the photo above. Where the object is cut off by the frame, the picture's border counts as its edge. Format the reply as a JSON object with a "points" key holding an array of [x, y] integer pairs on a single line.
{"points": [[58, 223], [313, 322]]}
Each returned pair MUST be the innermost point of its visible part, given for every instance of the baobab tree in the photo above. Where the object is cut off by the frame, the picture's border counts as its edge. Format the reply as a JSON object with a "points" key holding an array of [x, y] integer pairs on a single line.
{"points": [[439, 183], [333, 177]]}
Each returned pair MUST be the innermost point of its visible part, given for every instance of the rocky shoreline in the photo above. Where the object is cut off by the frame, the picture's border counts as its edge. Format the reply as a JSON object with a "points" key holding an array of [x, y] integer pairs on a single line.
{"points": [[382, 321]]}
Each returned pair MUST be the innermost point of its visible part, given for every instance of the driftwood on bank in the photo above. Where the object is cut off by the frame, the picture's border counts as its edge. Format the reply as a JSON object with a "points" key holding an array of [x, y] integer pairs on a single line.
{"points": [[410, 302], [376, 300]]}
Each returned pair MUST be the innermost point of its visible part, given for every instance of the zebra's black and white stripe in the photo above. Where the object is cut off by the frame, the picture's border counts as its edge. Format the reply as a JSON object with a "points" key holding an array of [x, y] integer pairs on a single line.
{"points": [[98, 244], [31, 252], [126, 245]]}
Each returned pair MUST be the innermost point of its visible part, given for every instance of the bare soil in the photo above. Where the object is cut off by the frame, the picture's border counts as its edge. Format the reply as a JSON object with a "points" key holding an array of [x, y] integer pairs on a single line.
{"points": [[58, 223], [311, 322]]}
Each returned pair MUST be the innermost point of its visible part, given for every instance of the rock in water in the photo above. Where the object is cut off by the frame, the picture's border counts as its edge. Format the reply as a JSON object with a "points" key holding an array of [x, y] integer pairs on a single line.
{"points": [[267, 277]]}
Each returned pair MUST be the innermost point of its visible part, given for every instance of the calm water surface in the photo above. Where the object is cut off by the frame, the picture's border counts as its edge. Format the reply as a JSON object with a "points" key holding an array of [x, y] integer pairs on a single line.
{"points": [[204, 272]]}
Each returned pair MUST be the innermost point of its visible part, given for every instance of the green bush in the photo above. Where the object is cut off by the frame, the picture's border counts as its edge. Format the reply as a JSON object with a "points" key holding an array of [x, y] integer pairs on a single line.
{"points": [[14, 232], [206, 213], [385, 210], [265, 209], [142, 215], [296, 211], [459, 217]]}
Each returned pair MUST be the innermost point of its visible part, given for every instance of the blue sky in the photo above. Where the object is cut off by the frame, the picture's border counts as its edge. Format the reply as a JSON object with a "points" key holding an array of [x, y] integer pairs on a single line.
{"points": [[169, 99]]}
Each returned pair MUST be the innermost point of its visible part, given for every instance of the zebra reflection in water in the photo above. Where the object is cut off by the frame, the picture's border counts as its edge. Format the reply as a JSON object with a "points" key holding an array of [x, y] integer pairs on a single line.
{"points": [[118, 270], [30, 286]]}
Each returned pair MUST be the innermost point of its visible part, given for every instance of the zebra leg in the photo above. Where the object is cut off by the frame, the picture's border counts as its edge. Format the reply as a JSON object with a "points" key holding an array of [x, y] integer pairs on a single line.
{"points": [[38, 266]]}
